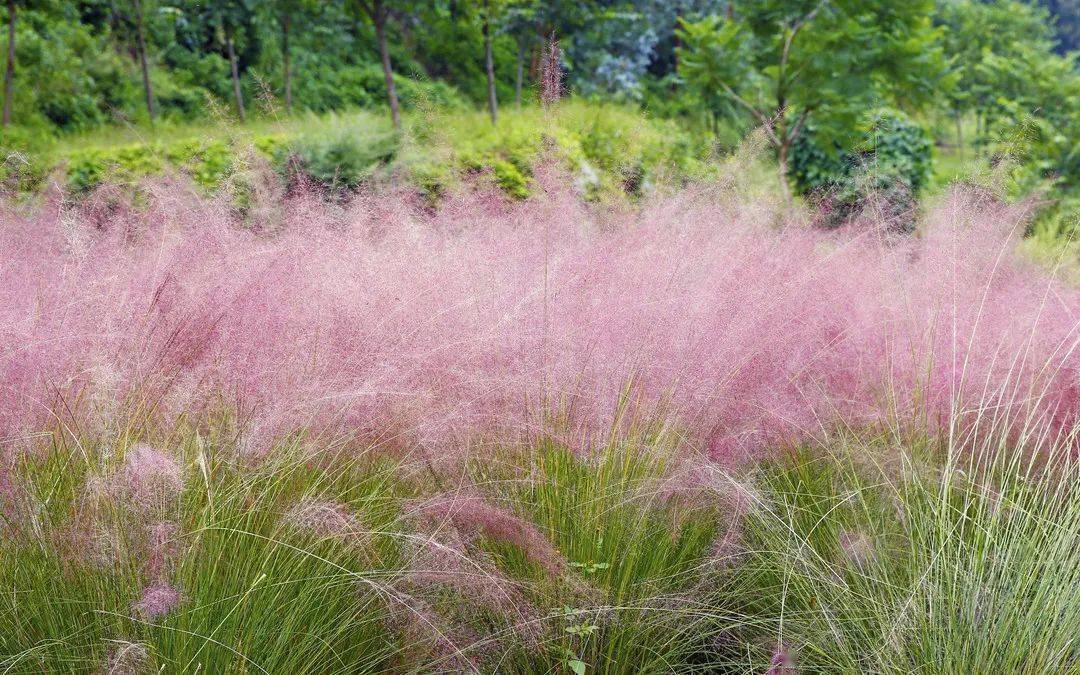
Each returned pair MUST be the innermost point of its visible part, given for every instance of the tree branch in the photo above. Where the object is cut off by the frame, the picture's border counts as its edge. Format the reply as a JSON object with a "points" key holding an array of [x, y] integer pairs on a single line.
{"points": [[799, 25], [766, 123], [793, 133]]}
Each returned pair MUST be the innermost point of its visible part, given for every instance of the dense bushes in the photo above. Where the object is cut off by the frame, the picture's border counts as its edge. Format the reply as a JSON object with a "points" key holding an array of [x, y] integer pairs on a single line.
{"points": [[890, 161], [340, 156], [609, 151]]}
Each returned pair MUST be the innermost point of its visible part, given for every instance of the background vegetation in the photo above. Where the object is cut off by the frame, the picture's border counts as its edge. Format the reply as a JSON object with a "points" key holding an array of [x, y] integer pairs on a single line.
{"points": [[993, 84]]}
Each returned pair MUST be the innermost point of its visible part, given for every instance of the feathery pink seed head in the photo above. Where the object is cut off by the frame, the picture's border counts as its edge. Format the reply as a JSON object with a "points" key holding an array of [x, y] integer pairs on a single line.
{"points": [[149, 476], [323, 518], [157, 600], [468, 321]]}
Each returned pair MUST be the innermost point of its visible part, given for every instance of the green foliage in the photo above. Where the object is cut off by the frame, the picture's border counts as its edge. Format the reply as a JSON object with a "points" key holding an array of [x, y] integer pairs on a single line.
{"points": [[339, 156], [206, 161], [889, 166], [619, 153], [828, 61], [1025, 98], [123, 165], [894, 149], [510, 178], [976, 32]]}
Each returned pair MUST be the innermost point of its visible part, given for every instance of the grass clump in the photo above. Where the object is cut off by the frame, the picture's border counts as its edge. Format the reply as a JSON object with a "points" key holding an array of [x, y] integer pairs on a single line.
{"points": [[324, 556], [910, 564], [196, 563]]}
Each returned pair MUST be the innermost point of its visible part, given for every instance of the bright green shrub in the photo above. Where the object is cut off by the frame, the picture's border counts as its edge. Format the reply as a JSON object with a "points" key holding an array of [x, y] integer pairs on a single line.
{"points": [[23, 167], [123, 164], [206, 161], [340, 156], [433, 178], [611, 152], [510, 178], [894, 148]]}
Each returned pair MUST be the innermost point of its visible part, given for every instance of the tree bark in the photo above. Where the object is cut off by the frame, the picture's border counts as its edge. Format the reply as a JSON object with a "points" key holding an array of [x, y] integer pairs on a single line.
{"points": [[235, 68], [959, 133], [9, 74], [782, 168], [489, 65], [378, 17], [286, 65], [140, 37], [520, 81]]}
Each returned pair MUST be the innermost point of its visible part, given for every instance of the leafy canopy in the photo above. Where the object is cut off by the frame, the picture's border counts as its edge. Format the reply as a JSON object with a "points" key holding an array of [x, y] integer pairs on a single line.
{"points": [[833, 59]]}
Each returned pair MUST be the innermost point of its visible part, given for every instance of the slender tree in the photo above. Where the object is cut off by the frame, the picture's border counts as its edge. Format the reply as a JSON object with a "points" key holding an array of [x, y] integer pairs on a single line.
{"points": [[379, 14], [223, 17], [285, 22], [519, 78], [519, 21], [9, 72], [140, 42], [489, 65], [234, 67], [287, 12]]}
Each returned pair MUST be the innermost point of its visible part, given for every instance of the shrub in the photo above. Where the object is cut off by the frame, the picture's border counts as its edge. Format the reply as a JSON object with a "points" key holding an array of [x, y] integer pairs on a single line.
{"points": [[892, 160], [206, 161], [510, 178], [340, 156], [124, 165]]}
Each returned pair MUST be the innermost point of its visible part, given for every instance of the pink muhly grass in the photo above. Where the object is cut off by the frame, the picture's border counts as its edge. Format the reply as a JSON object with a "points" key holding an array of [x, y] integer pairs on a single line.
{"points": [[163, 548], [551, 84], [449, 563], [472, 322], [782, 662], [157, 600], [444, 559], [473, 516], [149, 478], [425, 631], [324, 519], [858, 548], [11, 500], [127, 658]]}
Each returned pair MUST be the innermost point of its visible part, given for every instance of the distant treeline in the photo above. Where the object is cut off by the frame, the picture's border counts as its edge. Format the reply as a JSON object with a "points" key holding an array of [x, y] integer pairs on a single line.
{"points": [[817, 75]]}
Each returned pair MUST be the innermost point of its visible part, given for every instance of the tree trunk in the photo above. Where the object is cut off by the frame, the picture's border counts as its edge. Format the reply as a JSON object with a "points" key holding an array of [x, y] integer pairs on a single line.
{"points": [[9, 74], [388, 70], [520, 81], [959, 134], [782, 168], [678, 42], [140, 37], [489, 65], [286, 65], [235, 68], [980, 131]]}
